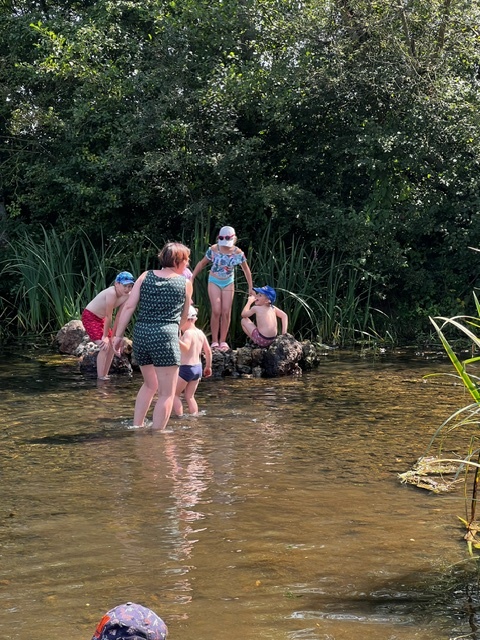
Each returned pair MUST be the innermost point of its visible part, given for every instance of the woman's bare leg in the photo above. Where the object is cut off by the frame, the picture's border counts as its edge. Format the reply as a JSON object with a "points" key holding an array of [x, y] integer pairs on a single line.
{"points": [[167, 383], [145, 394]]}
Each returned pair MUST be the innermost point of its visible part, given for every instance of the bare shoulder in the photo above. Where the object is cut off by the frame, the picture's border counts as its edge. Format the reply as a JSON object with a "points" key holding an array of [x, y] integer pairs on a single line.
{"points": [[110, 293], [187, 335], [140, 279]]}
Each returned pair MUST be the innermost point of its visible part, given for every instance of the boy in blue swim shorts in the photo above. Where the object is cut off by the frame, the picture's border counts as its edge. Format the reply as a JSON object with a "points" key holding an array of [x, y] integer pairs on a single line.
{"points": [[193, 343]]}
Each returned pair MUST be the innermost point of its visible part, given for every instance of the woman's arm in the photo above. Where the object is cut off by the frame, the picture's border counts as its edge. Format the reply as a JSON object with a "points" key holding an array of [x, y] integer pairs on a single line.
{"points": [[117, 317], [127, 311]]}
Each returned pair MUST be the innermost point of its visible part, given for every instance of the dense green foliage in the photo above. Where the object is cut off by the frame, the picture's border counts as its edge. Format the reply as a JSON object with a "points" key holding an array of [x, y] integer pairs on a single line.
{"points": [[348, 127]]}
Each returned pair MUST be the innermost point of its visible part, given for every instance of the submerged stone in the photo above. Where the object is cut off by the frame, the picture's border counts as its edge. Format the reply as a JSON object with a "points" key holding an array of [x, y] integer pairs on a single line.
{"points": [[72, 339]]}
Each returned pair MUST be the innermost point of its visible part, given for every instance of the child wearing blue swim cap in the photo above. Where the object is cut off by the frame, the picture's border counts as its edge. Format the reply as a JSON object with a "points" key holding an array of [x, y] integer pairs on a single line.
{"points": [[97, 319]]}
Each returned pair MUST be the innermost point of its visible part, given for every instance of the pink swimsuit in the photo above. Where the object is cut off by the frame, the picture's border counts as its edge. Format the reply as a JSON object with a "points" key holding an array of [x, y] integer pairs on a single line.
{"points": [[261, 340]]}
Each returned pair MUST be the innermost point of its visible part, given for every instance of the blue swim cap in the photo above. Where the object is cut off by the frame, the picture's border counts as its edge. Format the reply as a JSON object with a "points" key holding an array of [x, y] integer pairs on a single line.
{"points": [[267, 291], [125, 277]]}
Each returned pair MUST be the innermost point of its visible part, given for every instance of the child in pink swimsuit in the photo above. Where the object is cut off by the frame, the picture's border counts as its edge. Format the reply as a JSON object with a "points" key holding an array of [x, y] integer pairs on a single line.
{"points": [[267, 316]]}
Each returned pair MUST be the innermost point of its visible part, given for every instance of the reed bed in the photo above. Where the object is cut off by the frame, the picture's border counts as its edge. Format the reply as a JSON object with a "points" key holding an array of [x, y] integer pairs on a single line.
{"points": [[55, 274], [465, 419]]}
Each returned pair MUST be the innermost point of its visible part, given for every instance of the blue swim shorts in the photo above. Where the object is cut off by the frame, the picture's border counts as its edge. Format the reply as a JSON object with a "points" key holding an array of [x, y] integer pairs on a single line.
{"points": [[189, 372]]}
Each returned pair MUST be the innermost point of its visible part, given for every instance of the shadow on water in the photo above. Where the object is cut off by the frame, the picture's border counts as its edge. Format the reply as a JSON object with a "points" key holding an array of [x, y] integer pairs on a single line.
{"points": [[452, 597], [277, 514], [80, 438]]}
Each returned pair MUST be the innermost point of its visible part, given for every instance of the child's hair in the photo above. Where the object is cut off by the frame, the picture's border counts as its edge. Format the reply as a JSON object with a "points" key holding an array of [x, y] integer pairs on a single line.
{"points": [[172, 254]]}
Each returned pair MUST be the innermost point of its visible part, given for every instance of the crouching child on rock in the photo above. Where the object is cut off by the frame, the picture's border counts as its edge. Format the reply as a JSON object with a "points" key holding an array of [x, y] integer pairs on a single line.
{"points": [[97, 319], [266, 314], [193, 343]]}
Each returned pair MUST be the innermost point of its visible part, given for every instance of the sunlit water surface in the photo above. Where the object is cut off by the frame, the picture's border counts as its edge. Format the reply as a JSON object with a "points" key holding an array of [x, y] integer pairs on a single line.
{"points": [[276, 515]]}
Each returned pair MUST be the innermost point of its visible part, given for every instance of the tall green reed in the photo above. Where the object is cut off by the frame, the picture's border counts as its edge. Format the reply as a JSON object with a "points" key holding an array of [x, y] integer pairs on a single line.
{"points": [[469, 380], [198, 243], [344, 302], [42, 271], [325, 302], [55, 275], [290, 270]]}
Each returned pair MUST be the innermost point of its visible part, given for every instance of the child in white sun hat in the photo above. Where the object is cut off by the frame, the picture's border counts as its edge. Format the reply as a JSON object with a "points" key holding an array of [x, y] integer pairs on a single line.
{"points": [[224, 256], [193, 342]]}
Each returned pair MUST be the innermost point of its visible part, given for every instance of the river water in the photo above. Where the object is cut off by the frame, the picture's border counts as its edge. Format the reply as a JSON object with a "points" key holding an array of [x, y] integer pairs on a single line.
{"points": [[277, 514]]}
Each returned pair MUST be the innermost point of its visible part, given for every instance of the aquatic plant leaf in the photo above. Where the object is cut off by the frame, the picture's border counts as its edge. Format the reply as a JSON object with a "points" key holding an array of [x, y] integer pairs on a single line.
{"points": [[455, 322], [477, 303], [459, 366]]}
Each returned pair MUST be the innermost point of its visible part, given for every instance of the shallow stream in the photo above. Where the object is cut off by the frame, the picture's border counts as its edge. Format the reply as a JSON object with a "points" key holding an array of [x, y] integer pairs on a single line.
{"points": [[276, 515]]}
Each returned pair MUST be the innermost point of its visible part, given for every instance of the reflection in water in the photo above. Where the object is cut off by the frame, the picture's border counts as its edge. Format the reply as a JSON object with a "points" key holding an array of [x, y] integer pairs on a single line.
{"points": [[278, 514]]}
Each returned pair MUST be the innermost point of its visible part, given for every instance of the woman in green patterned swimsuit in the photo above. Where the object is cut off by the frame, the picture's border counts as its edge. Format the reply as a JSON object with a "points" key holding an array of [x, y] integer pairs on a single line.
{"points": [[163, 297]]}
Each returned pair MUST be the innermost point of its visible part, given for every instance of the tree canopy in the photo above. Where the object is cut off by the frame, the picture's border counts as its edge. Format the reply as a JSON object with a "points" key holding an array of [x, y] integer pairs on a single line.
{"points": [[351, 125]]}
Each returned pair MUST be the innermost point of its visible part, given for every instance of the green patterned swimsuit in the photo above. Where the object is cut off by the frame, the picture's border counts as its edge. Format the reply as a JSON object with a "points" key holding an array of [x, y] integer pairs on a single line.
{"points": [[155, 336]]}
